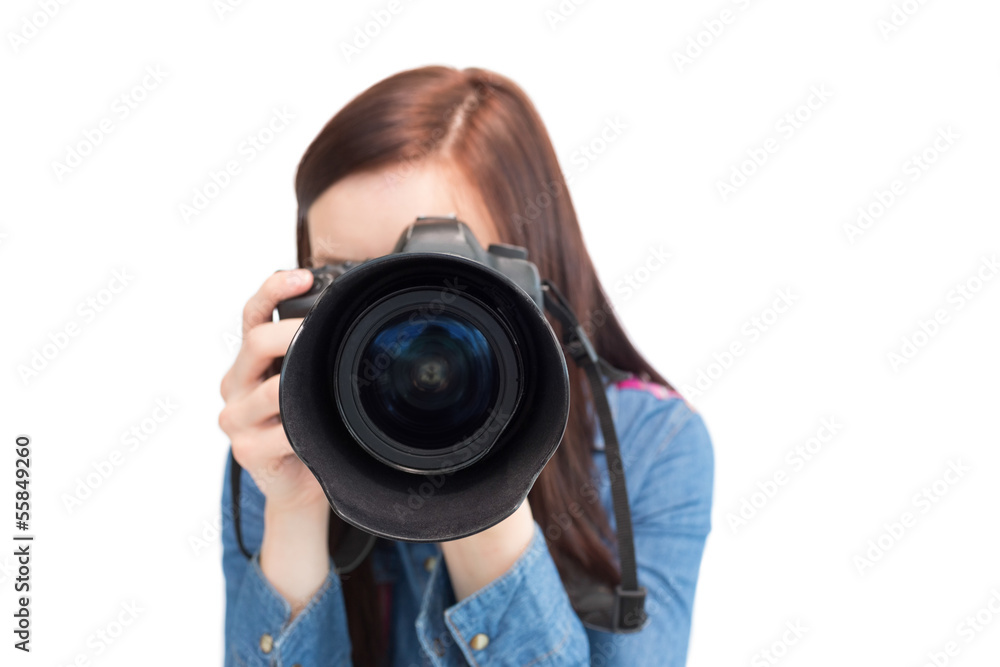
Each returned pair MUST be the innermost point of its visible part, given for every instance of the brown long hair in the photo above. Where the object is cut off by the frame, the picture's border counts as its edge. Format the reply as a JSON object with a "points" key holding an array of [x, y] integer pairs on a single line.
{"points": [[484, 125]]}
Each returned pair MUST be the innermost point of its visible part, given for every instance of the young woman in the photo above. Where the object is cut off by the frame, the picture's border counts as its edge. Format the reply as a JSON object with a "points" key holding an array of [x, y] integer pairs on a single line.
{"points": [[436, 141]]}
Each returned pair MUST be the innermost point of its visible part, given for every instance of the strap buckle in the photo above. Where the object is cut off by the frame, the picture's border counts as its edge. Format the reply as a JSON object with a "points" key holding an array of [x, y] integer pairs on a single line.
{"points": [[629, 613]]}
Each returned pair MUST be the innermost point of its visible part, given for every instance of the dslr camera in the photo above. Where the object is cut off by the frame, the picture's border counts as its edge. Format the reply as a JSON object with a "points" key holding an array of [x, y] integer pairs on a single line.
{"points": [[425, 389]]}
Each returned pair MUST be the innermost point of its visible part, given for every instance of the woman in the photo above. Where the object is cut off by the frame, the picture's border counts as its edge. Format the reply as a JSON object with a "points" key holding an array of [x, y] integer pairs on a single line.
{"points": [[436, 141]]}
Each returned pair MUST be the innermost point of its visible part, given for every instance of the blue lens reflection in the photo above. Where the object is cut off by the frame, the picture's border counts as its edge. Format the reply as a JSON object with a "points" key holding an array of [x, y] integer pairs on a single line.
{"points": [[433, 379]]}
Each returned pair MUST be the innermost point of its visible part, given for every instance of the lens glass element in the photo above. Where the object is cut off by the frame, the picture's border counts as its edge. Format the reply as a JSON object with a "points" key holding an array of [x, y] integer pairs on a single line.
{"points": [[428, 381]]}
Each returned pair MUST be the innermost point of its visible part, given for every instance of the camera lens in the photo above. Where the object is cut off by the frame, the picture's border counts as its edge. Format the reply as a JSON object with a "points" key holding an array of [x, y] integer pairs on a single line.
{"points": [[433, 379]]}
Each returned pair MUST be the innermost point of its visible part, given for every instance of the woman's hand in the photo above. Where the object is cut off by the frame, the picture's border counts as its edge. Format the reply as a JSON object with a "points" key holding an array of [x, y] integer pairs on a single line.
{"points": [[250, 417], [293, 554], [475, 561]]}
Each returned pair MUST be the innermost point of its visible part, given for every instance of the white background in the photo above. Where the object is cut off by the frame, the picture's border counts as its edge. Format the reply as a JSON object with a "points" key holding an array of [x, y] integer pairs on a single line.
{"points": [[169, 333]]}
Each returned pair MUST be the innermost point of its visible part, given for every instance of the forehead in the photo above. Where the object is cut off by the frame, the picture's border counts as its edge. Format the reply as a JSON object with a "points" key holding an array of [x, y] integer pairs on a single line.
{"points": [[362, 215]]}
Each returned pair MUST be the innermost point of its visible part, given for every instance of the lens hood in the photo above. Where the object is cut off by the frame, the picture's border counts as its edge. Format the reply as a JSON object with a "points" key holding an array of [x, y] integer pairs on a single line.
{"points": [[464, 487]]}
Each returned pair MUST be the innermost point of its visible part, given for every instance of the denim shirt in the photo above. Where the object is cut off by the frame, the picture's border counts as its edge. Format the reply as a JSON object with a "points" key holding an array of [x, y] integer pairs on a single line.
{"points": [[525, 614]]}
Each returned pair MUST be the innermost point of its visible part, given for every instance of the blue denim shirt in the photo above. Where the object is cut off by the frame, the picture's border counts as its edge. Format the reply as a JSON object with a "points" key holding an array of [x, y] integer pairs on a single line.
{"points": [[525, 613]]}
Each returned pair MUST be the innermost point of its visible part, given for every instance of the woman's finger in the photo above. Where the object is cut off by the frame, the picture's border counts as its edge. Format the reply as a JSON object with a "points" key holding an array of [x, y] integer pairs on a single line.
{"points": [[280, 286], [258, 408], [261, 346]]}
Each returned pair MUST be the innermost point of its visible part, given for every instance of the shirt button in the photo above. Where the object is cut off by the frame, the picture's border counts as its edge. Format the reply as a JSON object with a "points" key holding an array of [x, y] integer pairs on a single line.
{"points": [[438, 648], [266, 643], [429, 563], [479, 642]]}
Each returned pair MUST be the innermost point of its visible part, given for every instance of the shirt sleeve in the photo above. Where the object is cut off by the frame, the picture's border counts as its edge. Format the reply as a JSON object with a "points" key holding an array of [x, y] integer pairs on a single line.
{"points": [[525, 617], [259, 629]]}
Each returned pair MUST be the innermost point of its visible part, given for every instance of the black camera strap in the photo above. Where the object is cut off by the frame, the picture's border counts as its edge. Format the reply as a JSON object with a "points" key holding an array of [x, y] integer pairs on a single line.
{"points": [[627, 613], [235, 477]]}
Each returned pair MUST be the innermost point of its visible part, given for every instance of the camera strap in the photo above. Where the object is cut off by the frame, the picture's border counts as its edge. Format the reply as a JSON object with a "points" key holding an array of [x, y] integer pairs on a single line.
{"points": [[626, 611], [234, 482]]}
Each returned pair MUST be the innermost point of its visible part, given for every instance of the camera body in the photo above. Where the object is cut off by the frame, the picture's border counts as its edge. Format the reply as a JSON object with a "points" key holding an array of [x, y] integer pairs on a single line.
{"points": [[431, 234]]}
